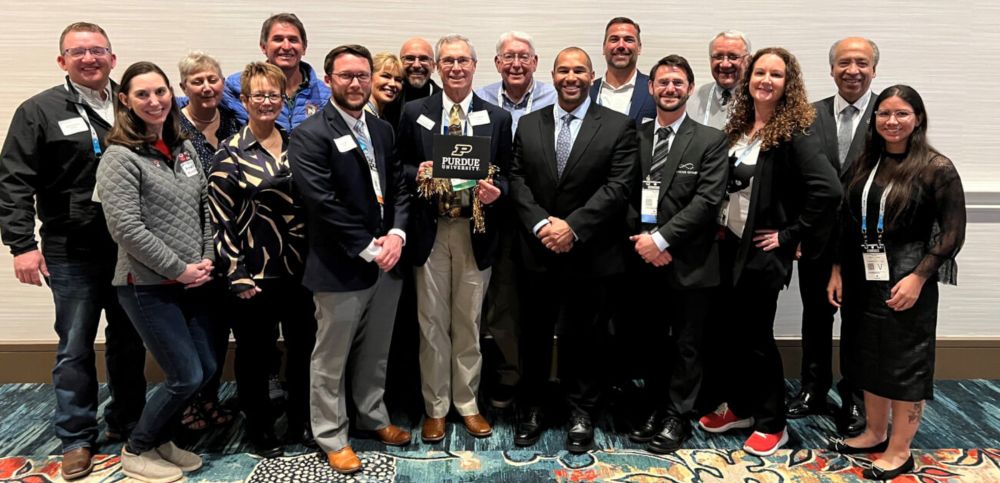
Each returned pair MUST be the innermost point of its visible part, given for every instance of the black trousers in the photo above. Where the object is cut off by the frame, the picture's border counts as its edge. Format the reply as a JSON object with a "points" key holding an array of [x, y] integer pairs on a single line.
{"points": [[288, 303], [817, 333], [577, 311]]}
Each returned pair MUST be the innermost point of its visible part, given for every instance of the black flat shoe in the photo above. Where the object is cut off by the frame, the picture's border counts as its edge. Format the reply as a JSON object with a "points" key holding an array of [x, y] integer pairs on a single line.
{"points": [[841, 447], [876, 473]]}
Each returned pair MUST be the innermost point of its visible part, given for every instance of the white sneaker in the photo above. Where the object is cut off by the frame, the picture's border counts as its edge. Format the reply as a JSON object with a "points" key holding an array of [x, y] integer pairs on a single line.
{"points": [[183, 459], [149, 467]]}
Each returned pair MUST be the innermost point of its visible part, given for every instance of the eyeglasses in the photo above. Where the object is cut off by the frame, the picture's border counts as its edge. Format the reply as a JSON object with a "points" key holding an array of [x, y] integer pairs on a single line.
{"points": [[348, 77], [729, 57], [261, 97], [453, 61], [900, 115], [79, 52], [409, 59], [509, 58]]}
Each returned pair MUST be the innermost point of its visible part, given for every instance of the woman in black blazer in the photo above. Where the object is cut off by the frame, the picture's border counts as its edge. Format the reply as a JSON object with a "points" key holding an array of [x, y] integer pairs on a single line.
{"points": [[782, 191]]}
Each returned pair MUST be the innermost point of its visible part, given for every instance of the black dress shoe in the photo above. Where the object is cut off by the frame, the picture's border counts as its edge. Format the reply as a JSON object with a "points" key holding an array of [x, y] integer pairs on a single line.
{"points": [[529, 427], [644, 431], [669, 439], [841, 447], [265, 444], [580, 438], [805, 403], [851, 419], [876, 473]]}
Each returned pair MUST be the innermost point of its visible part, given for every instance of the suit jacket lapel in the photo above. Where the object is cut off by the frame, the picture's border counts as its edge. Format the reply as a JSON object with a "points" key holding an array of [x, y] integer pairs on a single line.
{"points": [[432, 109], [640, 91], [595, 91], [340, 129], [680, 143], [591, 124], [646, 147], [482, 130], [858, 143], [827, 126], [548, 140]]}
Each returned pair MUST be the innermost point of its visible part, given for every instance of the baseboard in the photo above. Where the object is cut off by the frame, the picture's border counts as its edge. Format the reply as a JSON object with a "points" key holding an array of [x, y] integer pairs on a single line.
{"points": [[957, 358]]}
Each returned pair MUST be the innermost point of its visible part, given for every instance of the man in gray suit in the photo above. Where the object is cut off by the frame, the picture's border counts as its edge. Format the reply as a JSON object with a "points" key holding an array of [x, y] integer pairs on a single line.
{"points": [[728, 53], [841, 121]]}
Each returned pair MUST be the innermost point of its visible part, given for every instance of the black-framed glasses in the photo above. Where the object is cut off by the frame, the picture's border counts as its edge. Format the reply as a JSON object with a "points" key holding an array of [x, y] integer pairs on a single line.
{"points": [[348, 77], [79, 52], [261, 97]]}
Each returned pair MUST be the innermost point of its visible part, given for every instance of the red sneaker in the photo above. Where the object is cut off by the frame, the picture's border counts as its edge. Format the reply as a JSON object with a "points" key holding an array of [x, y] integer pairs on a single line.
{"points": [[764, 444], [722, 420]]}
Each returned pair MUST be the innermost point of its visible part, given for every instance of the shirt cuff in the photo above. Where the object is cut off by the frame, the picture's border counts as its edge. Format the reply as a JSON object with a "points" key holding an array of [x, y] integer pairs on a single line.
{"points": [[371, 251], [401, 233], [661, 242], [538, 226]]}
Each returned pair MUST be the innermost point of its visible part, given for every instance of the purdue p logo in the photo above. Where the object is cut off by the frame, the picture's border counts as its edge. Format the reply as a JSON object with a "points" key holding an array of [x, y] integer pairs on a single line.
{"points": [[462, 149]]}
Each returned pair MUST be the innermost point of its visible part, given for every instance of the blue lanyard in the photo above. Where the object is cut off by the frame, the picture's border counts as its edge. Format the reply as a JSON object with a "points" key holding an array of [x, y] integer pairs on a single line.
{"points": [[95, 142], [880, 225], [746, 152]]}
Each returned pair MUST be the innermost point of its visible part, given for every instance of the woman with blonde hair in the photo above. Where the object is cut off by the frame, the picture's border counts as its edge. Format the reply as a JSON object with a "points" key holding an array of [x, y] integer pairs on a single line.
{"points": [[387, 82]]}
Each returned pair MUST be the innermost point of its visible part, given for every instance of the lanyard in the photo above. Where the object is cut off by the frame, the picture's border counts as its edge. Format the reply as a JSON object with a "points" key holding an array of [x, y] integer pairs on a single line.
{"points": [[513, 107], [95, 142], [746, 152], [881, 207]]}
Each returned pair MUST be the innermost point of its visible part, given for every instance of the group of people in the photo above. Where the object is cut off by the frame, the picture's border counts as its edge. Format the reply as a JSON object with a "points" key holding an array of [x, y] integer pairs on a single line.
{"points": [[644, 224]]}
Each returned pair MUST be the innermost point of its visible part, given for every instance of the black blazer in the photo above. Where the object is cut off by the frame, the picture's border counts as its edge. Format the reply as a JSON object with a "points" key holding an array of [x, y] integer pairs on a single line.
{"points": [[642, 106], [795, 190], [692, 187], [592, 194], [342, 211], [415, 144], [825, 127]]}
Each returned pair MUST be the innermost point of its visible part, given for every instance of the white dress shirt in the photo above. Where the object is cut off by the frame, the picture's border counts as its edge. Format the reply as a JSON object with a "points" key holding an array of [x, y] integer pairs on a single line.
{"points": [[618, 98]]}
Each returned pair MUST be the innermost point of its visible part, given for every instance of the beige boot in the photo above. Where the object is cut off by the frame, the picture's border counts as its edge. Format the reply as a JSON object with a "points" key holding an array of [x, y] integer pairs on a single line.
{"points": [[183, 459], [149, 467]]}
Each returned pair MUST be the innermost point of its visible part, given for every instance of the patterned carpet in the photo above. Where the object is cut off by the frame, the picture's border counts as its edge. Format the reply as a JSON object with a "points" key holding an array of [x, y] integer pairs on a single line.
{"points": [[960, 427]]}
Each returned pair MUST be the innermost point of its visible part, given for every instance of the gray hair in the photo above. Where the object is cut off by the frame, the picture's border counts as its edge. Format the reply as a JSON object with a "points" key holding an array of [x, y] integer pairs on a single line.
{"points": [[731, 34], [874, 47], [197, 61], [515, 35], [451, 39]]}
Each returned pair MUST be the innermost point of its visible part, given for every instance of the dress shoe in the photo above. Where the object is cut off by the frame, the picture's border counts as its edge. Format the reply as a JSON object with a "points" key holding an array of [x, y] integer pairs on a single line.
{"points": [[838, 445], [805, 403], [851, 419], [393, 435], [266, 445], [580, 438], [477, 425], [644, 431], [671, 437], [432, 430], [77, 463], [344, 461], [876, 473], [502, 396], [529, 427]]}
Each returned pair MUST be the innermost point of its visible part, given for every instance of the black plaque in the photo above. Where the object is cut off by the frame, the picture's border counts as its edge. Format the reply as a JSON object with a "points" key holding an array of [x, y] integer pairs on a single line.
{"points": [[461, 157]]}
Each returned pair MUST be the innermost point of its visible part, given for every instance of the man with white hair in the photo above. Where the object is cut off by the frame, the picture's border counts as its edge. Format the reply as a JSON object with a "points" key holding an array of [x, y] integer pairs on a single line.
{"points": [[518, 92], [728, 54]]}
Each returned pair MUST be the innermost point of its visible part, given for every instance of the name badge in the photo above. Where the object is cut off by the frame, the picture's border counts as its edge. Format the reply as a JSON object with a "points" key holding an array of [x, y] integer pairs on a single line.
{"points": [[345, 143], [189, 168], [876, 263], [478, 118], [723, 218], [645, 120], [426, 122], [72, 126], [650, 200]]}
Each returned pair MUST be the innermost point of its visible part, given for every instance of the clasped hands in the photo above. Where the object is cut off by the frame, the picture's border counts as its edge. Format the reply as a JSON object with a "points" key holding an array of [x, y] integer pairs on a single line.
{"points": [[646, 247], [556, 235], [487, 192], [196, 274]]}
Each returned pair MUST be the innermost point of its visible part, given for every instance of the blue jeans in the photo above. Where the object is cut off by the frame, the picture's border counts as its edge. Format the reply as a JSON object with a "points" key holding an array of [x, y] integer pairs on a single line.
{"points": [[177, 331], [81, 290]]}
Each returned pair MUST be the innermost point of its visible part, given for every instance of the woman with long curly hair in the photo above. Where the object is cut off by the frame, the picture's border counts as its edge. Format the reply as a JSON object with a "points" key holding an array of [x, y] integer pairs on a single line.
{"points": [[782, 191]]}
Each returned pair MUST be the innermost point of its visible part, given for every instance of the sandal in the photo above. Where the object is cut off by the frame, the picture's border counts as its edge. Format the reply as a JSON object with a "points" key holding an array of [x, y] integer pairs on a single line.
{"points": [[216, 413]]}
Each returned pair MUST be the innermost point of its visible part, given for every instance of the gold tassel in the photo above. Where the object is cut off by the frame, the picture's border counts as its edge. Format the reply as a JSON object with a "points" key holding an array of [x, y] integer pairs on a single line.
{"points": [[428, 187], [478, 220]]}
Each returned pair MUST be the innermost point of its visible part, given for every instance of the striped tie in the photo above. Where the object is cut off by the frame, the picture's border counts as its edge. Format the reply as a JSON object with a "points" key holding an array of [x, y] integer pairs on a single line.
{"points": [[660, 152]]}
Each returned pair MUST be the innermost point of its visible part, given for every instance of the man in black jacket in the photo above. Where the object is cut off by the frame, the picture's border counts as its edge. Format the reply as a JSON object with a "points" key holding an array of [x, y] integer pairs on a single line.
{"points": [[49, 160]]}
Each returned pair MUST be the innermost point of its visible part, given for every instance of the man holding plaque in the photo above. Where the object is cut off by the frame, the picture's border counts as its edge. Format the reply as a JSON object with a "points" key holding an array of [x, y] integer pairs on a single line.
{"points": [[453, 243]]}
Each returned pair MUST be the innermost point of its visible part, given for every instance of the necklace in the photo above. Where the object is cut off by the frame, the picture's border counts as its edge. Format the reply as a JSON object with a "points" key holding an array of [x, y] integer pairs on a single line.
{"points": [[191, 115]]}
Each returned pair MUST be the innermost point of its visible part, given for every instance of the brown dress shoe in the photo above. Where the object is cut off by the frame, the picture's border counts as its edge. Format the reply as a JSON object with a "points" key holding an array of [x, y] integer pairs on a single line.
{"points": [[344, 461], [77, 464], [477, 426], [393, 435], [433, 430]]}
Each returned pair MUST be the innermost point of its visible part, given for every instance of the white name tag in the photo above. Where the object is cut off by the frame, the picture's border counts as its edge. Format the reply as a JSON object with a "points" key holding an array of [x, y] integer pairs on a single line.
{"points": [[650, 200], [426, 122], [189, 168], [645, 120], [72, 126], [876, 264], [345, 143], [478, 118]]}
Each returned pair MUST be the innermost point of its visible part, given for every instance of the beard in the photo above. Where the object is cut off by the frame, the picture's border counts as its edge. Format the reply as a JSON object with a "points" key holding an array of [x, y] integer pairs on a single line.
{"points": [[341, 99]]}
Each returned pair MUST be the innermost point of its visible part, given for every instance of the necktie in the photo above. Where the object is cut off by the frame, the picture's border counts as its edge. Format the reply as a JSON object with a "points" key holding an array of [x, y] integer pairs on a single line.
{"points": [[564, 143], [726, 95], [365, 143], [455, 121], [450, 203], [660, 152], [845, 133]]}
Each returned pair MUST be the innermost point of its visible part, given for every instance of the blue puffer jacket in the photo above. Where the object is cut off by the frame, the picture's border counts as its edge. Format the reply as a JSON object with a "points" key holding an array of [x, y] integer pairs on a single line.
{"points": [[308, 100]]}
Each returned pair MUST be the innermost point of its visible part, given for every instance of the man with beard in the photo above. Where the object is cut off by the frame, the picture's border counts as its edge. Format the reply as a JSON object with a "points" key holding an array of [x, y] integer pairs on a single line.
{"points": [[283, 42], [841, 123], [417, 57], [675, 260], [357, 202], [728, 53], [623, 87], [574, 167]]}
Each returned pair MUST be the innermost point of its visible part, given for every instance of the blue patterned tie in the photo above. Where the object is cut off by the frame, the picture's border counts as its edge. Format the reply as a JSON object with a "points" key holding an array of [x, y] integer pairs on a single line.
{"points": [[364, 142], [564, 144]]}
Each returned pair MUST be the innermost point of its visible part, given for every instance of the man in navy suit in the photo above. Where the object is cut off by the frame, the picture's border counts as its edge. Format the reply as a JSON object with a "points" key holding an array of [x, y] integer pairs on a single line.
{"points": [[357, 203], [452, 261], [623, 87], [841, 123]]}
